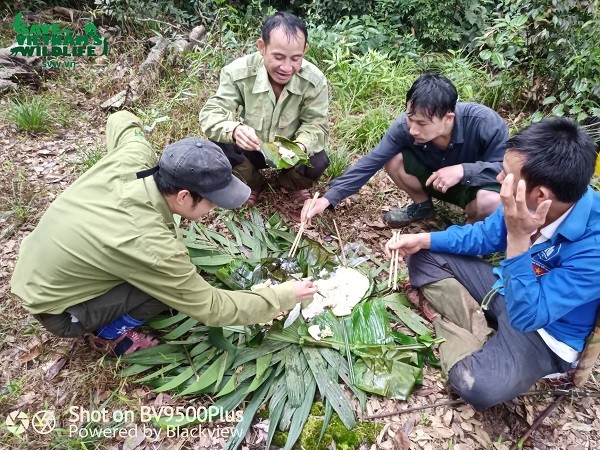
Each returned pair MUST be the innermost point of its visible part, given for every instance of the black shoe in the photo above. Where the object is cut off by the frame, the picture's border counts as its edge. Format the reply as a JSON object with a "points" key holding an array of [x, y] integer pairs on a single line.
{"points": [[400, 217]]}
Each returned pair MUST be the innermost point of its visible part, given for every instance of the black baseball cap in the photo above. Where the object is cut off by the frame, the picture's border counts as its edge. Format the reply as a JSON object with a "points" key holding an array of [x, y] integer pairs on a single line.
{"points": [[201, 166]]}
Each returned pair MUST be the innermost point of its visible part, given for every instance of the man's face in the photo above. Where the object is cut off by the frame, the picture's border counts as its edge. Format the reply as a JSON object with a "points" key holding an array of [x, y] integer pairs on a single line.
{"points": [[189, 211], [513, 163], [283, 55], [423, 129]]}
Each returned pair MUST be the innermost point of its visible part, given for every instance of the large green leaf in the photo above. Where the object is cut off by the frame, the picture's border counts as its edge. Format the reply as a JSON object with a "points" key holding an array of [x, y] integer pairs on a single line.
{"points": [[277, 160], [408, 317], [392, 379]]}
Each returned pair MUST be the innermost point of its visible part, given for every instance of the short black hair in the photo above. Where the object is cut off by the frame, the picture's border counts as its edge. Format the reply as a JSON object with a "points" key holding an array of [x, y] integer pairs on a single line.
{"points": [[289, 23], [166, 188], [432, 95], [558, 155]]}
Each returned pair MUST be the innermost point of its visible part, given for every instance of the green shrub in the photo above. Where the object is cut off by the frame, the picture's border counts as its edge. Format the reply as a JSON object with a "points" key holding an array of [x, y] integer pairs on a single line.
{"points": [[553, 45]]}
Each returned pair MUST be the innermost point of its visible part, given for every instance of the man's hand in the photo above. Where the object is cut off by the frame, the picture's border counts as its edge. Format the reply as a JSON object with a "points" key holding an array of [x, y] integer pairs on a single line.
{"points": [[443, 179], [521, 222], [245, 138], [407, 244], [304, 289], [320, 205]]}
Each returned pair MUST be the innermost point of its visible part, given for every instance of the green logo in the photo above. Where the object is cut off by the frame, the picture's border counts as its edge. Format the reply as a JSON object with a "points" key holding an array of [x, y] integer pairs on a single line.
{"points": [[50, 40]]}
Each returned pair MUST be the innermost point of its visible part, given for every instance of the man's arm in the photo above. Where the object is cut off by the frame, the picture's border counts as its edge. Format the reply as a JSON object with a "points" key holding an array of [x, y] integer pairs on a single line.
{"points": [[175, 282], [357, 175], [314, 125], [481, 238], [492, 135], [218, 117]]}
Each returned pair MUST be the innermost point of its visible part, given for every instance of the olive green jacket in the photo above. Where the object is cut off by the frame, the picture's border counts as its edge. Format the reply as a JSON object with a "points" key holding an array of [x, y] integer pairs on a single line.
{"points": [[109, 227], [245, 96]]}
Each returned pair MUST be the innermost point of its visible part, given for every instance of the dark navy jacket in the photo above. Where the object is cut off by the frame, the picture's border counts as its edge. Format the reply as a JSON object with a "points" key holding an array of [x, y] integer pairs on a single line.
{"points": [[478, 143]]}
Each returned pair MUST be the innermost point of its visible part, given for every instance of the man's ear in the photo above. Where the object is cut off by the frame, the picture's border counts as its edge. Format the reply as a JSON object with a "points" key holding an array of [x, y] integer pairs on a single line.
{"points": [[181, 196], [449, 115], [261, 46], [543, 193]]}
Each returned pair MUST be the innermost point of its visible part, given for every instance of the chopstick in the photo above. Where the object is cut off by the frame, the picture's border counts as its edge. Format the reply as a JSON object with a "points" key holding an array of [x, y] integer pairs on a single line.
{"points": [[294, 247], [393, 270], [339, 236]]}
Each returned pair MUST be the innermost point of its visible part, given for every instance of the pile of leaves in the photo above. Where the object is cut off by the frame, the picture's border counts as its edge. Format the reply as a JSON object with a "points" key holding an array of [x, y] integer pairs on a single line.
{"points": [[282, 368]]}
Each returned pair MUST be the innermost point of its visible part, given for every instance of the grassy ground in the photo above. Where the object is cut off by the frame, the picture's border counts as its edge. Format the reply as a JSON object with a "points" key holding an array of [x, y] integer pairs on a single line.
{"points": [[41, 372]]}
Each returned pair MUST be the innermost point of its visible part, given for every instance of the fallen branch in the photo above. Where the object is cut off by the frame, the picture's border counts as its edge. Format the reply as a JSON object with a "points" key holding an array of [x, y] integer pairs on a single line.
{"points": [[148, 72], [416, 408], [534, 426]]}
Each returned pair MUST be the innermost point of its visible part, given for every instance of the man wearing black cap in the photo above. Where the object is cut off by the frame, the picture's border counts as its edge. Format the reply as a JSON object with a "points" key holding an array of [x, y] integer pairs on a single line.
{"points": [[105, 257]]}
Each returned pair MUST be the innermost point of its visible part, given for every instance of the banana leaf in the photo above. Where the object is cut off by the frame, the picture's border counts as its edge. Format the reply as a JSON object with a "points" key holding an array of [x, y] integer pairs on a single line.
{"points": [[274, 158], [392, 379]]}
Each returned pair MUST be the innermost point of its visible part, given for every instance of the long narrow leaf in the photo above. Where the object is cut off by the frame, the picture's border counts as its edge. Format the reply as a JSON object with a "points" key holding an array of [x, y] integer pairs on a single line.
{"points": [[329, 388], [181, 329], [301, 415], [244, 425]]}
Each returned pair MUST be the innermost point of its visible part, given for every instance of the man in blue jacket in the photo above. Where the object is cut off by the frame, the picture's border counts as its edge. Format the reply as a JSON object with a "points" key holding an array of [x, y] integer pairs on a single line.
{"points": [[438, 149], [540, 303]]}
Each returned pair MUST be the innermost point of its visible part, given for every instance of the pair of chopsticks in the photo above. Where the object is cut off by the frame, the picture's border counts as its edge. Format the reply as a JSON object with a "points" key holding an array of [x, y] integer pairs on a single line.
{"points": [[393, 270], [301, 230]]}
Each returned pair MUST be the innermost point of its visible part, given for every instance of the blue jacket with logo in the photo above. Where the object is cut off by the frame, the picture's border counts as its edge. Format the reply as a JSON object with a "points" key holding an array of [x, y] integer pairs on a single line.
{"points": [[556, 284]]}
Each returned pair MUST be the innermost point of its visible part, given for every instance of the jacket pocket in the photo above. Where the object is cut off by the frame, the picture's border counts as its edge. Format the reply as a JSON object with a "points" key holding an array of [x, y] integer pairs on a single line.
{"points": [[254, 121]]}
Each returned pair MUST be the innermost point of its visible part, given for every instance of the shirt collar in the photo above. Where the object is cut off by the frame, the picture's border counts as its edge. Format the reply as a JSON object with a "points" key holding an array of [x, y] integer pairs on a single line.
{"points": [[458, 136], [547, 232]]}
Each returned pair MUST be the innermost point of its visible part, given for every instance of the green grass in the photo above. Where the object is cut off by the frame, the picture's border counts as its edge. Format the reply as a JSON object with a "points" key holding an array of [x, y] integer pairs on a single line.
{"points": [[340, 159], [30, 115]]}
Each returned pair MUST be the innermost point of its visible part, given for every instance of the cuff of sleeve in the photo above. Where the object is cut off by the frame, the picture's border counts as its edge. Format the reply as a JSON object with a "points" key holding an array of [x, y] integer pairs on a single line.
{"points": [[332, 198], [436, 243], [228, 128], [467, 175], [286, 295]]}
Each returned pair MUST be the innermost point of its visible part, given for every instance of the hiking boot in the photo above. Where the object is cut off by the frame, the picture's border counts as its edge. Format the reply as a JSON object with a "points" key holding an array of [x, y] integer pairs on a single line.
{"points": [[400, 217], [252, 198], [127, 343]]}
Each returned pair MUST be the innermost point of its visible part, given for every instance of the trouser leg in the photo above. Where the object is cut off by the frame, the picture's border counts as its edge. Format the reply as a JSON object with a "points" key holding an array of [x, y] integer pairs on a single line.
{"points": [[90, 316], [304, 177], [462, 323], [508, 363], [245, 165]]}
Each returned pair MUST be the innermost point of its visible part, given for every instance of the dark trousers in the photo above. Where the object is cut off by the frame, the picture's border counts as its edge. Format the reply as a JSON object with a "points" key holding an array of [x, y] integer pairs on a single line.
{"points": [[246, 166], [94, 314], [510, 361]]}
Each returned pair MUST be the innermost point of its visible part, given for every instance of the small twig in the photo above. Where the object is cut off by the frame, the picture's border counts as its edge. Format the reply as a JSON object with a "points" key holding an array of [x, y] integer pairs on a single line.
{"points": [[391, 269], [301, 230], [534, 426], [416, 408], [339, 236]]}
